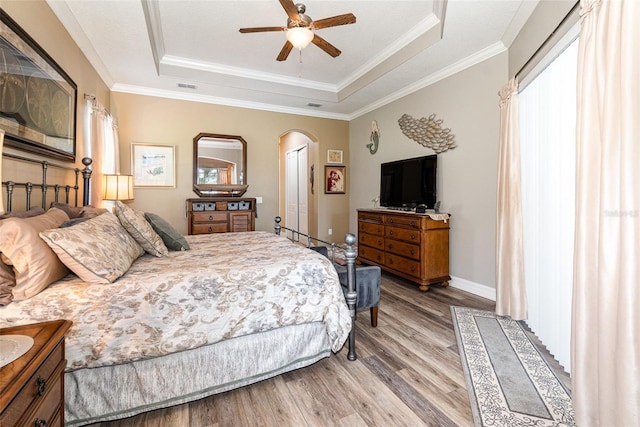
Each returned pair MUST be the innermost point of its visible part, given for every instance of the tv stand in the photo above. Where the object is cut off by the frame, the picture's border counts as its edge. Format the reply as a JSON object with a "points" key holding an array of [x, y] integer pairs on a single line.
{"points": [[409, 245]]}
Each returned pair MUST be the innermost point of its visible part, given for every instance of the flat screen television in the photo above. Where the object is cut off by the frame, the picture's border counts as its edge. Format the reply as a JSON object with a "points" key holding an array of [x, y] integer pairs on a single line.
{"points": [[404, 184]]}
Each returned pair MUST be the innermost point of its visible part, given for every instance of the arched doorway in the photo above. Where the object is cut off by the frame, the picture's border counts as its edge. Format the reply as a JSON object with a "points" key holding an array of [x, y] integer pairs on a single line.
{"points": [[299, 181]]}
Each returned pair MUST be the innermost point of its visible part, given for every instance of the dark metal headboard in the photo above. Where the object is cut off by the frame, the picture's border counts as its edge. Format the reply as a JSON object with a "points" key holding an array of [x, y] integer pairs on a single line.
{"points": [[44, 186]]}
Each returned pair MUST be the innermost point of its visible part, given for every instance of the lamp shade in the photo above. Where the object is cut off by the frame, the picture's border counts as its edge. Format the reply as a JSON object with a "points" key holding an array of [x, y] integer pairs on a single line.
{"points": [[299, 37], [117, 187]]}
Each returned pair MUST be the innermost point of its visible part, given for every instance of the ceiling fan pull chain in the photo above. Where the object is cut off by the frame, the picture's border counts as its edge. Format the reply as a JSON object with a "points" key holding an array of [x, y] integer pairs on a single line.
{"points": [[300, 64]]}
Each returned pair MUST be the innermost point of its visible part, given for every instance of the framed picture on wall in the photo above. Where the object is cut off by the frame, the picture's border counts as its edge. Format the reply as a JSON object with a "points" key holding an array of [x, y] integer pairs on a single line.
{"points": [[335, 179], [334, 156], [37, 98], [153, 165]]}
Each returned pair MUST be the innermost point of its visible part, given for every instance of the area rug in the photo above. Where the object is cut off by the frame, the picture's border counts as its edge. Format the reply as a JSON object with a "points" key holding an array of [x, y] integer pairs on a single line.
{"points": [[509, 382]]}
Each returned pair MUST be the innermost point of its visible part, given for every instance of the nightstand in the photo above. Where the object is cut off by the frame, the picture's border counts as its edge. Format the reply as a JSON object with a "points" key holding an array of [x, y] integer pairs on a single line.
{"points": [[32, 386]]}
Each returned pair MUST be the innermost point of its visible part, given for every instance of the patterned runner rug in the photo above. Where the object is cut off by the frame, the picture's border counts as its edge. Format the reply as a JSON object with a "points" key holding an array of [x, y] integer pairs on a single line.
{"points": [[509, 382]]}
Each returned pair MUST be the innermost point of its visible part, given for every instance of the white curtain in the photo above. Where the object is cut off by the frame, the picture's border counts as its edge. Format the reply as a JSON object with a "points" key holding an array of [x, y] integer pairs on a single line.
{"points": [[511, 295], [101, 144], [547, 145], [606, 293], [1, 188]]}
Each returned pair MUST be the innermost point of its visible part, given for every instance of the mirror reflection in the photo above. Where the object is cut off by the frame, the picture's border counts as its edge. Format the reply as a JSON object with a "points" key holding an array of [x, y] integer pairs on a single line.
{"points": [[219, 167]]}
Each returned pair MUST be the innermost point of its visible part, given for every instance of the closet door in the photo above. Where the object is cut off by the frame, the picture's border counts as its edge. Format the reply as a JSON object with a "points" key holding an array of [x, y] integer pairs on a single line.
{"points": [[296, 178]]}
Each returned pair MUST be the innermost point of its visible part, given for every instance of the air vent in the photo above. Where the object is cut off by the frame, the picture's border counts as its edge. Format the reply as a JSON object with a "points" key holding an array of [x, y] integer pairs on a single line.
{"points": [[314, 105], [187, 86]]}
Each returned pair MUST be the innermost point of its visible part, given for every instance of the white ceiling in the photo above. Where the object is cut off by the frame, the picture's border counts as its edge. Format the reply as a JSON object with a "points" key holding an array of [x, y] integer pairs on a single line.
{"points": [[394, 48]]}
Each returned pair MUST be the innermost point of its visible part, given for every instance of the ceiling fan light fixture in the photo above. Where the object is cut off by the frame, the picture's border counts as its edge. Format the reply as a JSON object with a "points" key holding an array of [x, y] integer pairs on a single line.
{"points": [[299, 37]]}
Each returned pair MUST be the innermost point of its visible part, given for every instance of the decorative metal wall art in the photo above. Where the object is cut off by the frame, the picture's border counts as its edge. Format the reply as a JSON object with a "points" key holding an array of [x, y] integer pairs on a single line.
{"points": [[427, 132], [374, 138]]}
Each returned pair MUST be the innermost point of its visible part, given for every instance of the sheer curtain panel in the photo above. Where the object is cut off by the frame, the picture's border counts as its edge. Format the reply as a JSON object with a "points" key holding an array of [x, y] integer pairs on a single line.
{"points": [[101, 144], [511, 294], [606, 294]]}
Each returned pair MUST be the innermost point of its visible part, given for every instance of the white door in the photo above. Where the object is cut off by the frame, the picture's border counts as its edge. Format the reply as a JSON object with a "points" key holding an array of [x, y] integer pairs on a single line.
{"points": [[296, 177]]}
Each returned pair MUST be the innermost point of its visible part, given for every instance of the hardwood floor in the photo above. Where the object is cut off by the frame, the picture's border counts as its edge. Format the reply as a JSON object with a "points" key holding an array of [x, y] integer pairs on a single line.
{"points": [[408, 373]]}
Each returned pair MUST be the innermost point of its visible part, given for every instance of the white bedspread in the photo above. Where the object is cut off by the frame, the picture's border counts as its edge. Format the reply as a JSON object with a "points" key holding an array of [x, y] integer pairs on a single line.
{"points": [[227, 285]]}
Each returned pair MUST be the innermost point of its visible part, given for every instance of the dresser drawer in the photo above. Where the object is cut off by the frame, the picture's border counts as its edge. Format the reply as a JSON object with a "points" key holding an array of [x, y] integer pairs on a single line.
{"points": [[370, 217], [209, 228], [371, 254], [409, 221], [405, 234], [401, 248], [403, 265], [49, 406], [42, 380], [207, 217], [371, 240], [366, 227]]}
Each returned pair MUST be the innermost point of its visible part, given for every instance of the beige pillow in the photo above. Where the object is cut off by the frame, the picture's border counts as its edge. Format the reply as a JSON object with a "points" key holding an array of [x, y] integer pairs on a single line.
{"points": [[140, 229], [7, 283], [91, 212], [35, 265], [98, 250]]}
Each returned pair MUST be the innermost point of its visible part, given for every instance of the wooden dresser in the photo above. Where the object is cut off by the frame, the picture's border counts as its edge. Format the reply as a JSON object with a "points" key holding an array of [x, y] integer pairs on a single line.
{"points": [[410, 245], [32, 386], [221, 215]]}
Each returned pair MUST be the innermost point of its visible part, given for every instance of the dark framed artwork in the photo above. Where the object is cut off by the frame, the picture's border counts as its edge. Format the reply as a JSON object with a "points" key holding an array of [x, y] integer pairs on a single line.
{"points": [[37, 98], [335, 179]]}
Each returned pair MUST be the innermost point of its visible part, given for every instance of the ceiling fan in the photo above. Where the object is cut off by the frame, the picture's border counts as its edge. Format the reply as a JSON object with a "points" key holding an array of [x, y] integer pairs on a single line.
{"points": [[299, 29]]}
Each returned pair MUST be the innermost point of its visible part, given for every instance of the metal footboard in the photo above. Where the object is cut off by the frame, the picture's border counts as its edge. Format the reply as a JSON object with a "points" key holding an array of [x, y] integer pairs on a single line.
{"points": [[350, 257]]}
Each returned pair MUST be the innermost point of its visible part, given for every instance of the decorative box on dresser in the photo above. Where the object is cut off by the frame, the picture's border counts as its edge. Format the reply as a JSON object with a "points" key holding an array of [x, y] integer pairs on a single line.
{"points": [[32, 386], [221, 215], [410, 245]]}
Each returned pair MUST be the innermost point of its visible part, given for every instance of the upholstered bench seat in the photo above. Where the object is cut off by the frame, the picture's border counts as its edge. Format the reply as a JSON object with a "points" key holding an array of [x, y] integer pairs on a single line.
{"points": [[367, 285], [367, 288]]}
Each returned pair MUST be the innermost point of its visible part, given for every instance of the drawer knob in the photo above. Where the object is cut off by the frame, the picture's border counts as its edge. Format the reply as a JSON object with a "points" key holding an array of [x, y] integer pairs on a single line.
{"points": [[379, 242], [390, 261], [379, 258], [210, 217], [390, 232], [390, 220], [412, 251], [39, 423], [413, 236], [413, 223], [412, 268], [41, 383], [210, 230], [390, 246]]}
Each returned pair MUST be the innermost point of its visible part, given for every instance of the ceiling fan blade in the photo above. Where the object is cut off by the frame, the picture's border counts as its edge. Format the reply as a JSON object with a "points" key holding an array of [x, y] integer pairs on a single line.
{"points": [[284, 53], [261, 29], [325, 45], [291, 9], [334, 21]]}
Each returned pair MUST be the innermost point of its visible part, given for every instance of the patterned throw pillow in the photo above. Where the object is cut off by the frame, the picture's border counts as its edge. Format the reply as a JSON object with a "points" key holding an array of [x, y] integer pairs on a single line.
{"points": [[98, 250], [136, 224]]}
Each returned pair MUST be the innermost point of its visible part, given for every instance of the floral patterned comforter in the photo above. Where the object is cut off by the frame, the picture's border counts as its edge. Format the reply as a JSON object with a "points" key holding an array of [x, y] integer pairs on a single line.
{"points": [[227, 285]]}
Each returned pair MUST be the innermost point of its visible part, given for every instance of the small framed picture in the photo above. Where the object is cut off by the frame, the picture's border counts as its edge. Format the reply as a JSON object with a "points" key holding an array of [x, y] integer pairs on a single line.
{"points": [[153, 165], [334, 156], [335, 179]]}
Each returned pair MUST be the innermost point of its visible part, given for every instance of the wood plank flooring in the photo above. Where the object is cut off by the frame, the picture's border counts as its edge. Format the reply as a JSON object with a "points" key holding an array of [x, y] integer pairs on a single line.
{"points": [[408, 373]]}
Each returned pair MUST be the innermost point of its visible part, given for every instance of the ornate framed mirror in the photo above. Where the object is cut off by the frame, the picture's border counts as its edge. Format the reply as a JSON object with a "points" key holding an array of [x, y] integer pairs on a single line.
{"points": [[219, 165]]}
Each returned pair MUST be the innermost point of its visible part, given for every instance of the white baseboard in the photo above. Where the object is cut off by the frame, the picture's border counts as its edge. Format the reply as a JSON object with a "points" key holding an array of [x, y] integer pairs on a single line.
{"points": [[473, 288]]}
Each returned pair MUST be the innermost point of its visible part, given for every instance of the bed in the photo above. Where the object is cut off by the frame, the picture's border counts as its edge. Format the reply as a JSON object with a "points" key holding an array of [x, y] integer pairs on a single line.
{"points": [[232, 310]]}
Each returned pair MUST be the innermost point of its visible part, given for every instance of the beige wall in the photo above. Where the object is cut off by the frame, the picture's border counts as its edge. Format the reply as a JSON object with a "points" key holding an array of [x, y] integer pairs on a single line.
{"points": [[39, 21], [145, 119], [467, 102]]}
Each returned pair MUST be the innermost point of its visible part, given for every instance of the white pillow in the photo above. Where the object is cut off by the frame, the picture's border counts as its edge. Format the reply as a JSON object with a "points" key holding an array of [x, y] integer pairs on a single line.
{"points": [[98, 250]]}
